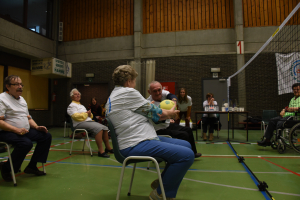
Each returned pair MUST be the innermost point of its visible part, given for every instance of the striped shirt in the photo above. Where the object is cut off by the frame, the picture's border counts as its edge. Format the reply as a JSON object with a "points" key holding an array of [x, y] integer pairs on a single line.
{"points": [[14, 110], [131, 127]]}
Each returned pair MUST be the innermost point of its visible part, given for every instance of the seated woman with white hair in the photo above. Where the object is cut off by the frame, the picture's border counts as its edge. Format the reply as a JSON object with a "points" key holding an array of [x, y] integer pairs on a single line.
{"points": [[82, 119]]}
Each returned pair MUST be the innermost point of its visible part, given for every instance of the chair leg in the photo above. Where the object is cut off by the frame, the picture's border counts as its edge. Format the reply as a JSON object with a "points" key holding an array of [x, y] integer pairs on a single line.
{"points": [[88, 142], [148, 167], [65, 126], [121, 180], [160, 180], [131, 181], [72, 143], [11, 165], [44, 169]]}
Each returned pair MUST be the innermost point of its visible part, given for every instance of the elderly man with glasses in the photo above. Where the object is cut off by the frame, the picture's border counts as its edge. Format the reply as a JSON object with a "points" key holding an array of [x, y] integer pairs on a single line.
{"points": [[287, 112], [19, 129]]}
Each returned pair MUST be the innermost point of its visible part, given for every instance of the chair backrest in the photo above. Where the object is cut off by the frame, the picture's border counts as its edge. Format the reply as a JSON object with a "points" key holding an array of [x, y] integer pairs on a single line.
{"points": [[120, 158], [268, 114], [71, 124]]}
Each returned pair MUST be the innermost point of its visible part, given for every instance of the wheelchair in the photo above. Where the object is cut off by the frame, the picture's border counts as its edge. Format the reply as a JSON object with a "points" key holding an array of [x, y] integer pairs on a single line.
{"points": [[287, 135]]}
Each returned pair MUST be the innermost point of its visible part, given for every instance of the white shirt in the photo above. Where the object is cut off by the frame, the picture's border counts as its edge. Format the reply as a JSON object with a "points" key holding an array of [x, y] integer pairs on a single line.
{"points": [[205, 103], [15, 111], [164, 94], [166, 124], [183, 107], [77, 108], [131, 128]]}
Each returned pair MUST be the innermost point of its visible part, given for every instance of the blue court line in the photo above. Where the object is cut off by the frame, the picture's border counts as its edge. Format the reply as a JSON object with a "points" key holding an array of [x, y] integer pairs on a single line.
{"points": [[252, 177]]}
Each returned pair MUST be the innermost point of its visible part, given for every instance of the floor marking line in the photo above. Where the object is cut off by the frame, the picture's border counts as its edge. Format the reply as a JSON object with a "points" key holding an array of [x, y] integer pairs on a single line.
{"points": [[282, 167]]}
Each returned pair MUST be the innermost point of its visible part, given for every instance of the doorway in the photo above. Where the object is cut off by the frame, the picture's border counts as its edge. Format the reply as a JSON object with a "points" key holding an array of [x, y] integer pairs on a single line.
{"points": [[90, 90], [219, 88]]}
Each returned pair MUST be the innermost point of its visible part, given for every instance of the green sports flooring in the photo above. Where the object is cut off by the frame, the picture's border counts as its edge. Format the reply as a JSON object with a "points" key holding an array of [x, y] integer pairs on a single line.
{"points": [[215, 175]]}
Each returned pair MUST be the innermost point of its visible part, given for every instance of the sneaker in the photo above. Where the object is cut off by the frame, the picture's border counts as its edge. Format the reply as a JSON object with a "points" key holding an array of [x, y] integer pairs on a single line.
{"points": [[154, 196], [155, 184], [264, 143]]}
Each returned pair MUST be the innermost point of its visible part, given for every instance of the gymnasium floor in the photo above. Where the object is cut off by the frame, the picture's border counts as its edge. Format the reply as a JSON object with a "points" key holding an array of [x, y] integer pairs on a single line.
{"points": [[215, 175]]}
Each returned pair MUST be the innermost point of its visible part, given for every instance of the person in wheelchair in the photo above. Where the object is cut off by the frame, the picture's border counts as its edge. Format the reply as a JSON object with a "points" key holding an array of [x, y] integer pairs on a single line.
{"points": [[287, 112]]}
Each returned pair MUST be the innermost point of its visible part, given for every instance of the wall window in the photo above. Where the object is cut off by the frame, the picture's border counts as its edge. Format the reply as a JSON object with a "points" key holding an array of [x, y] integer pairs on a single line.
{"points": [[35, 15]]}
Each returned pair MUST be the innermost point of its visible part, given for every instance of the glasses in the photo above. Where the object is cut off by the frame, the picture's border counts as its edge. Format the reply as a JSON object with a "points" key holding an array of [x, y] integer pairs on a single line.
{"points": [[17, 84]]}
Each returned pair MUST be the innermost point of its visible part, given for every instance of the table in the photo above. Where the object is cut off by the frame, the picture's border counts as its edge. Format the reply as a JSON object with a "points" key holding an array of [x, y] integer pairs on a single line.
{"points": [[221, 112]]}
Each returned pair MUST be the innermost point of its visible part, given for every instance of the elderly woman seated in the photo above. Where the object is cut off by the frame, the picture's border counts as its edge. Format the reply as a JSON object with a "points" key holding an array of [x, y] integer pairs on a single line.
{"points": [[131, 113], [82, 119]]}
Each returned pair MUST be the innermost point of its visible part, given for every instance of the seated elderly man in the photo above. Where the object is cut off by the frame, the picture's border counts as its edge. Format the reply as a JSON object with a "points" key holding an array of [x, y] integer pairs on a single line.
{"points": [[82, 119], [277, 122], [157, 94], [17, 128]]}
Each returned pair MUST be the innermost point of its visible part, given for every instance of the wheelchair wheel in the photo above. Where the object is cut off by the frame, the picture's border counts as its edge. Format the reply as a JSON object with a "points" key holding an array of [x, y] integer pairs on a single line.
{"points": [[294, 137], [281, 148]]}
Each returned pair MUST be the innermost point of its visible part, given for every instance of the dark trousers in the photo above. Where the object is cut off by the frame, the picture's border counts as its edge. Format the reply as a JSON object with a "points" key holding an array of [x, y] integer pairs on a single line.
{"points": [[208, 121], [273, 125], [179, 132], [187, 122], [23, 144]]}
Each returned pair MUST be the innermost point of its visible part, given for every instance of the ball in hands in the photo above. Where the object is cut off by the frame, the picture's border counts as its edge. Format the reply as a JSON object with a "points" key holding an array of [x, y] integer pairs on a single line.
{"points": [[166, 104]]}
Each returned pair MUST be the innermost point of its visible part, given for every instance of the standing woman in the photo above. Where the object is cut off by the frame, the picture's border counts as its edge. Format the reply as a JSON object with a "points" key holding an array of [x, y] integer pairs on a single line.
{"points": [[210, 119], [95, 109], [184, 106]]}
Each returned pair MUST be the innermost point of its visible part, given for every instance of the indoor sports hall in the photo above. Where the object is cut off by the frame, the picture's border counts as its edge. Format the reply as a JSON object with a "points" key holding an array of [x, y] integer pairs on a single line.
{"points": [[237, 61]]}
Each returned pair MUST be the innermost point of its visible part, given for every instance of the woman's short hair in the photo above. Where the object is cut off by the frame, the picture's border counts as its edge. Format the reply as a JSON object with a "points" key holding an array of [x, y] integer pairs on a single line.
{"points": [[123, 73], [72, 92], [209, 95]]}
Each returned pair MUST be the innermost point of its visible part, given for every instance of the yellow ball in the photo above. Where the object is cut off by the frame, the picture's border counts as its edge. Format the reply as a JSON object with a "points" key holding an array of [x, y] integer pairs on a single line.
{"points": [[166, 104]]}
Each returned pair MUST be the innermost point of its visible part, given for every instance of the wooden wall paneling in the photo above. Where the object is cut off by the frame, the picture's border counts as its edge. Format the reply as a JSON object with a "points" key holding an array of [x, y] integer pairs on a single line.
{"points": [[253, 13], [207, 13], [278, 15], [199, 14], [122, 17], [266, 17], [151, 16], [162, 16], [177, 28], [144, 17], [191, 10], [173, 15], [131, 17], [91, 20], [169, 15], [148, 15], [184, 15], [158, 14], [107, 18], [88, 31], [128, 17], [154, 16], [261, 12], [215, 19], [125, 17], [196, 14], [102, 21], [118, 20], [73, 21], [81, 20], [111, 18], [96, 11], [274, 13], [249, 9], [211, 14], [224, 14], [290, 9], [219, 13], [286, 9], [203, 3], [180, 11], [115, 18], [270, 16], [68, 21], [257, 12], [294, 17], [231, 14], [228, 14]]}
